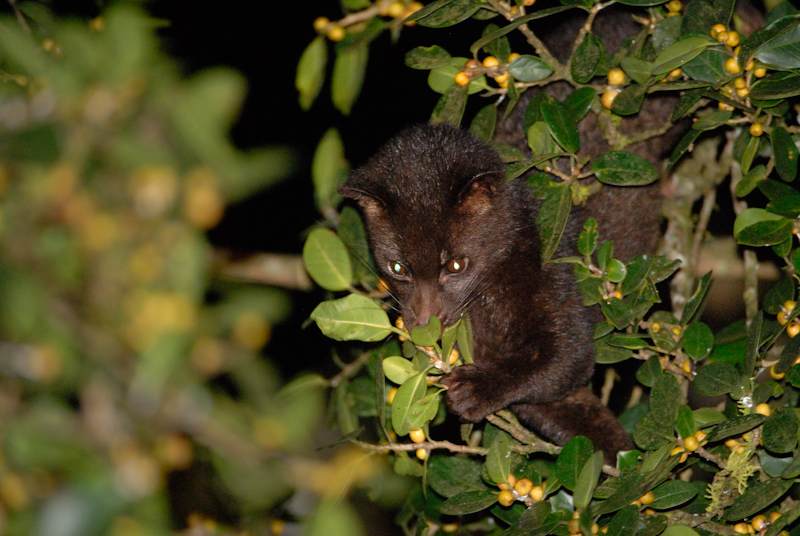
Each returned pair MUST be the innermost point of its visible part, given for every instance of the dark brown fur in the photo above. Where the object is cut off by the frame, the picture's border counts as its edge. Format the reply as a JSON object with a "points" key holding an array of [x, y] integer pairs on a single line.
{"points": [[436, 193]]}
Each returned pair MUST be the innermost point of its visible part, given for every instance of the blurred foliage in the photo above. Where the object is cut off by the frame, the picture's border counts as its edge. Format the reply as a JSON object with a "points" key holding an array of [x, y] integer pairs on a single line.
{"points": [[714, 415], [133, 390]]}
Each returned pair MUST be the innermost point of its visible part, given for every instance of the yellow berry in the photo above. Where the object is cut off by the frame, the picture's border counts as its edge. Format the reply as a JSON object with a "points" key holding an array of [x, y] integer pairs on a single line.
{"points": [[684, 457], [528, 3], [536, 493], [513, 56], [774, 517], [691, 443], [676, 331], [676, 450], [782, 317], [390, 394], [637, 503], [595, 528], [763, 409], [789, 305], [97, 24], [725, 106], [417, 436], [674, 5], [761, 72], [759, 522], [490, 61], [574, 526], [647, 498], [731, 443], [749, 66], [688, 367], [740, 528], [733, 39], [776, 375], [743, 92], [462, 78], [422, 454], [616, 76], [320, 23], [740, 83], [700, 435], [756, 129], [649, 511], [722, 37], [607, 99], [502, 79], [450, 528], [336, 33], [656, 327], [716, 29], [523, 486], [382, 287], [732, 66], [453, 359], [395, 9], [506, 497], [793, 329], [675, 73]]}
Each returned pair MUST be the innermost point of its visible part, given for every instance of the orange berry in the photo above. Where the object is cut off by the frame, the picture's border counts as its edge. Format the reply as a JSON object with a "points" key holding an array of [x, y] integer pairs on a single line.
{"points": [[462, 78]]}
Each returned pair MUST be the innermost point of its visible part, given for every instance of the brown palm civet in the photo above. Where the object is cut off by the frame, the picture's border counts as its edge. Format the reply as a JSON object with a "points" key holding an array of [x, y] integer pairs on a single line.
{"points": [[451, 235]]}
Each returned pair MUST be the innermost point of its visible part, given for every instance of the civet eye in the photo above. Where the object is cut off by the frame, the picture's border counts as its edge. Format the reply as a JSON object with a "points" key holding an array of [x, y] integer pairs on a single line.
{"points": [[397, 268], [456, 266]]}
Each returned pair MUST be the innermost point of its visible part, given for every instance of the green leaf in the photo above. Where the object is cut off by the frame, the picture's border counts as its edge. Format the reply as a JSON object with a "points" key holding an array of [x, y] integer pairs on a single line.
{"points": [[671, 494], [709, 66], [713, 120], [638, 70], [352, 318], [762, 37], [615, 271], [629, 100], [698, 340], [468, 502], [685, 103], [716, 379], [735, 426], [329, 170], [450, 106], [425, 58], [449, 476], [685, 421], [428, 334], [785, 153], [758, 496], [484, 122], [498, 459], [539, 139], [649, 371], [620, 168], [562, 126], [683, 145], [625, 522], [700, 16], [311, 72], [679, 53], [398, 369], [694, 303], [553, 216], [423, 410], [334, 517], [326, 259], [777, 86], [783, 51], [780, 431], [587, 480], [649, 434], [407, 395], [757, 227], [571, 460], [444, 13], [587, 240], [348, 75], [583, 65], [528, 68], [665, 399], [679, 530], [579, 102], [751, 180]]}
